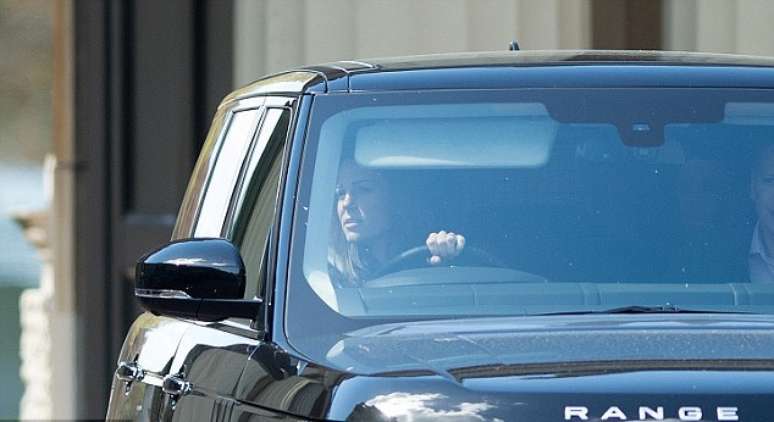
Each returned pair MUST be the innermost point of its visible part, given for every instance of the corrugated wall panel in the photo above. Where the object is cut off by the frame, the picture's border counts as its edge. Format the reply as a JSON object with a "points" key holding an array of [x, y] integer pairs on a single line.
{"points": [[273, 35]]}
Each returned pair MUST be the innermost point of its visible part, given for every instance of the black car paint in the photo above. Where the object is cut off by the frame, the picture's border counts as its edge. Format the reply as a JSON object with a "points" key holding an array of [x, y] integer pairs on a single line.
{"points": [[212, 266], [208, 273], [561, 363], [238, 374]]}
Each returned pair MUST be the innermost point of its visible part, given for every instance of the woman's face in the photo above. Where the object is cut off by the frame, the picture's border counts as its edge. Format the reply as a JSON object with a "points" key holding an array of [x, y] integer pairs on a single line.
{"points": [[361, 203]]}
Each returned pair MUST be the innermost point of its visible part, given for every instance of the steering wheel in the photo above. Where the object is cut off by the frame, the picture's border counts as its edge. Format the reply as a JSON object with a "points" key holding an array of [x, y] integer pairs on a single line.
{"points": [[422, 252]]}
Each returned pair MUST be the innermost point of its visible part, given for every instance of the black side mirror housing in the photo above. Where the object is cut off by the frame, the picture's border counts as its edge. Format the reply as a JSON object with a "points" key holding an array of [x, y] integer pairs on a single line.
{"points": [[202, 279]]}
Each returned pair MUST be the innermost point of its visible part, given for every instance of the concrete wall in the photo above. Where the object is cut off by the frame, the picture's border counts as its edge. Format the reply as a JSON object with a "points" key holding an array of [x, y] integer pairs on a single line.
{"points": [[273, 35]]}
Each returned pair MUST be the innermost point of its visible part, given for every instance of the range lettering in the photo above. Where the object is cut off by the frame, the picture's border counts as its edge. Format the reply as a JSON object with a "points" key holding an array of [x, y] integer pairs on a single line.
{"points": [[646, 413]]}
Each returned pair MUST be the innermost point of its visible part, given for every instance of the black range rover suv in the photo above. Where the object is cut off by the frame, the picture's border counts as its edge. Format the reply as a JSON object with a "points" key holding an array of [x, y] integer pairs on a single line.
{"points": [[522, 236]]}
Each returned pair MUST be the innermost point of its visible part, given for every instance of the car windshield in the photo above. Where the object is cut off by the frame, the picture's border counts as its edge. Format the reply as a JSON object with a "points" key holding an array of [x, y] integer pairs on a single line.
{"points": [[533, 201]]}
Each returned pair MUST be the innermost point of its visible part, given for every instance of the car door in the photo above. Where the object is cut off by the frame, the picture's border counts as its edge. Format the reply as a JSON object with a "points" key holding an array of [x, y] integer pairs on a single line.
{"points": [[152, 341], [211, 356], [144, 362]]}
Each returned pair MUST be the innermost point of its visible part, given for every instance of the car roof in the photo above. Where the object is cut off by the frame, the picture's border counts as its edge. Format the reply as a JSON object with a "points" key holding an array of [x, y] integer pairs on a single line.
{"points": [[558, 57], [516, 69]]}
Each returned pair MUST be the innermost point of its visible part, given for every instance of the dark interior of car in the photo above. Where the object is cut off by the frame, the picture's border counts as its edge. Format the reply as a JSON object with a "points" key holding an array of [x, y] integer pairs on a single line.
{"points": [[618, 216]]}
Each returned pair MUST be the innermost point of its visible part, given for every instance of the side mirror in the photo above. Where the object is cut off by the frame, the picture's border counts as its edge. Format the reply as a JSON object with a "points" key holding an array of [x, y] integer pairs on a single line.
{"points": [[201, 279]]}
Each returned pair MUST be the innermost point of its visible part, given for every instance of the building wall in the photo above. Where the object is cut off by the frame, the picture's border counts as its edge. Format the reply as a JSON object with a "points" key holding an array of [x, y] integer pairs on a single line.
{"points": [[273, 35], [720, 26]]}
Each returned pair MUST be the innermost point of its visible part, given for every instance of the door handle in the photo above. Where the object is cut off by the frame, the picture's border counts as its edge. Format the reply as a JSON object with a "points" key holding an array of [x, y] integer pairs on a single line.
{"points": [[176, 385], [129, 372]]}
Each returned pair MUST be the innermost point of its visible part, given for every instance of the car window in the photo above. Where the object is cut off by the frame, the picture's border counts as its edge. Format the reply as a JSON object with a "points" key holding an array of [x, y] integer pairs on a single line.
{"points": [[187, 215], [217, 196], [257, 198], [547, 200]]}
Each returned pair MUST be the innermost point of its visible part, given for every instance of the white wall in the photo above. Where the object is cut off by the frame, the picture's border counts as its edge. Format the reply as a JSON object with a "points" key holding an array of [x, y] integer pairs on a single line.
{"points": [[720, 26], [274, 35]]}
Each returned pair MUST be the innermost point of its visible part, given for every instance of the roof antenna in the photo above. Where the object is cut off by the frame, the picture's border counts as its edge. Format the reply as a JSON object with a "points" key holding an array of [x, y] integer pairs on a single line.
{"points": [[513, 46]]}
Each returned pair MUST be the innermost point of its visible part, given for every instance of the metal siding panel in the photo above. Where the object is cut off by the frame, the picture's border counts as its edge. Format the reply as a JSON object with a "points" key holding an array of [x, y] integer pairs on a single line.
{"points": [[716, 28], [753, 20], [329, 31], [491, 27]]}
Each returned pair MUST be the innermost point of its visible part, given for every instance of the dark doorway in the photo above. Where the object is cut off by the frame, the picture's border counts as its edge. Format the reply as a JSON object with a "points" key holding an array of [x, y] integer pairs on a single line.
{"points": [[148, 77], [629, 25]]}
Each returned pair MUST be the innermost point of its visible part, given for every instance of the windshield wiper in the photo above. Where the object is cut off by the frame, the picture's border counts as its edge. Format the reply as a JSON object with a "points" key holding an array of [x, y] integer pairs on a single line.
{"points": [[641, 309]]}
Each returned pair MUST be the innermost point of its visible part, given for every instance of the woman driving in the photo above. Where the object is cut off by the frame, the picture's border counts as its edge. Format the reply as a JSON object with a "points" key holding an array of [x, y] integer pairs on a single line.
{"points": [[367, 236]]}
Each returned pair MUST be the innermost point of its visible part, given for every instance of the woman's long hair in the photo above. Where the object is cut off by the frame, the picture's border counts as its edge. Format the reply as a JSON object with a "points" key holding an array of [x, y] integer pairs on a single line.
{"points": [[350, 263]]}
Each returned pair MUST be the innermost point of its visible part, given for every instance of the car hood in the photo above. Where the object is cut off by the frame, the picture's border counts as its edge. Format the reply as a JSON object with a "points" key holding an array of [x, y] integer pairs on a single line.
{"points": [[593, 394], [445, 347], [678, 367]]}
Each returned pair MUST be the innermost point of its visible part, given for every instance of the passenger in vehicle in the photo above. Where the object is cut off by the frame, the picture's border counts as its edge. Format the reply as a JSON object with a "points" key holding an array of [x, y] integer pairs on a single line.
{"points": [[369, 234], [761, 257]]}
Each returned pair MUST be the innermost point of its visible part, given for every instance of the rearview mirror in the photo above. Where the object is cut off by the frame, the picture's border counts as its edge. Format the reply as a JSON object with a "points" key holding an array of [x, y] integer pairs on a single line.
{"points": [[201, 279]]}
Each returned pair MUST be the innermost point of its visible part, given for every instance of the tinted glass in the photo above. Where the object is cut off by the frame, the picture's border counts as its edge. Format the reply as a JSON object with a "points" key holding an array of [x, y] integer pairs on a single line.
{"points": [[556, 201], [257, 199], [225, 172], [186, 217]]}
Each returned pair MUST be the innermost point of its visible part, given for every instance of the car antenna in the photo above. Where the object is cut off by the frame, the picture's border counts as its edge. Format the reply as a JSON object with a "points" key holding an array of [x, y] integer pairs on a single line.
{"points": [[514, 46]]}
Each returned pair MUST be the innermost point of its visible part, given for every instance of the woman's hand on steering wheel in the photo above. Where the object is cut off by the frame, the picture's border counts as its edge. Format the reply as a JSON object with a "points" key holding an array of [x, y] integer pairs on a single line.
{"points": [[444, 246], [441, 253]]}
